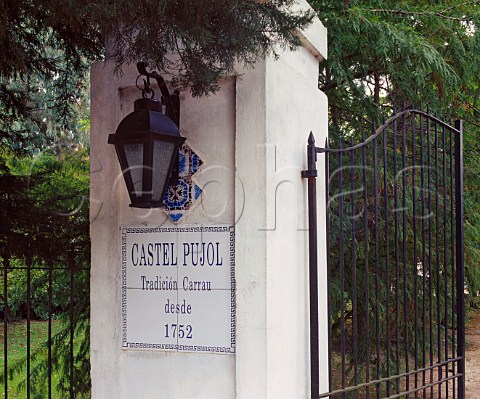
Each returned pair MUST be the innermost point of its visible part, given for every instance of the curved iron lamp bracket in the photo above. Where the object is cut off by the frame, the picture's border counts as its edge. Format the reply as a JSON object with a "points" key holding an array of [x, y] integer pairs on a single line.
{"points": [[171, 101]]}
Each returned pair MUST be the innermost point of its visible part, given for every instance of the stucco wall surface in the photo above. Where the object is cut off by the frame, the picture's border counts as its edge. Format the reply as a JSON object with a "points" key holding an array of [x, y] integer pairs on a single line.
{"points": [[252, 138], [209, 127]]}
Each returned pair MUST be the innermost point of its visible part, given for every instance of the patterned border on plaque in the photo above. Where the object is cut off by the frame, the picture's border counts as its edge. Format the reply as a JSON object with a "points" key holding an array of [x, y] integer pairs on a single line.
{"points": [[124, 288], [175, 347]]}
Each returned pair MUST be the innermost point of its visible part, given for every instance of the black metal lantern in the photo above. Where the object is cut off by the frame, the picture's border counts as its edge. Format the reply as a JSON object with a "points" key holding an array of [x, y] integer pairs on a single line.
{"points": [[147, 143]]}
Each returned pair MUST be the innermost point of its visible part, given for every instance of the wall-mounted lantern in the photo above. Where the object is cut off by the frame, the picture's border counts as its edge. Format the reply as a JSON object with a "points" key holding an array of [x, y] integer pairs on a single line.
{"points": [[147, 143]]}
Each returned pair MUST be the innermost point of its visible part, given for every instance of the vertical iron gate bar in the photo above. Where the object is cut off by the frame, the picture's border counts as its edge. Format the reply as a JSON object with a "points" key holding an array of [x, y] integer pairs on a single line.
{"points": [[387, 274], [460, 274], [377, 273], [415, 264], [6, 262], [367, 270], [424, 286], [437, 251], [29, 266], [49, 342], [396, 251], [452, 263], [445, 235], [311, 175], [342, 266], [354, 272], [430, 269], [404, 246], [446, 258], [454, 275], [71, 310], [327, 227], [451, 270]]}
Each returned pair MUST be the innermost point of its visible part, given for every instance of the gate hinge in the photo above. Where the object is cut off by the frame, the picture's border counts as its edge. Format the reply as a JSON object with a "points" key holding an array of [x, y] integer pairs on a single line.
{"points": [[309, 173]]}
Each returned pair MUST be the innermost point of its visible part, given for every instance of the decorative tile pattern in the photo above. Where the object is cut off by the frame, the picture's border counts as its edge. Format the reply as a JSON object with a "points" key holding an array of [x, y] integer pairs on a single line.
{"points": [[180, 198]]}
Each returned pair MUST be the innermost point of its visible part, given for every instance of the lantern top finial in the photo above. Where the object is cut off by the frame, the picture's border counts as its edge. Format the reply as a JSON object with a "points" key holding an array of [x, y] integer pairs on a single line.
{"points": [[147, 103]]}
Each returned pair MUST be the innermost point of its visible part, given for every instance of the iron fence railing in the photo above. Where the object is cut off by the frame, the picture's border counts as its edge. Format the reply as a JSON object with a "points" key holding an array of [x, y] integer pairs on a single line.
{"points": [[44, 306]]}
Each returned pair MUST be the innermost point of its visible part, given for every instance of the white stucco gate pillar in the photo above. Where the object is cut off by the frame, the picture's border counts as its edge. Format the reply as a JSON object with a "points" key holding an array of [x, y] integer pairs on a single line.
{"points": [[246, 333]]}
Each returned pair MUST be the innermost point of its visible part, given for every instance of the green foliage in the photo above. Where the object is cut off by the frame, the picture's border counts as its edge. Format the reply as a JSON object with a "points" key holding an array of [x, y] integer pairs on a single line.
{"points": [[43, 238], [47, 49], [409, 50], [17, 293]]}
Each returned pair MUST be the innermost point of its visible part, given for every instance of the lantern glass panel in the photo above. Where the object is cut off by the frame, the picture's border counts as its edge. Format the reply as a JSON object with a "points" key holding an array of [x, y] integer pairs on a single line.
{"points": [[162, 157], [134, 155]]}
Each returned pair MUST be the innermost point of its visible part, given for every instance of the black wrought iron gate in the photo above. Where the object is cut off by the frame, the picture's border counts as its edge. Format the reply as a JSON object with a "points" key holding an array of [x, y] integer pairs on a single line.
{"points": [[395, 261]]}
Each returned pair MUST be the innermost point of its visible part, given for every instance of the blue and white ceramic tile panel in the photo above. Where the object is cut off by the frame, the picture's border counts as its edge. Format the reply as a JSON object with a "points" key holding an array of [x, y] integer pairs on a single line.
{"points": [[180, 198]]}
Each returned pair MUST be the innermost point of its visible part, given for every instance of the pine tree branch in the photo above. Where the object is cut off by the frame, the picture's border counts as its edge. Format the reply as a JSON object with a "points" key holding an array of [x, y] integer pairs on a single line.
{"points": [[358, 75], [471, 122], [426, 13], [466, 3], [352, 112]]}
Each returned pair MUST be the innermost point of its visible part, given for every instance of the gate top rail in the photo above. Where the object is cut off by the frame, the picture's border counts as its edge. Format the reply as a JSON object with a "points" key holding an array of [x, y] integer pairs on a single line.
{"points": [[381, 128]]}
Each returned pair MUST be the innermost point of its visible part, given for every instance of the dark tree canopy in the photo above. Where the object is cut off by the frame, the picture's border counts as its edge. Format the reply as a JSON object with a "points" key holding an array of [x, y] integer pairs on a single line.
{"points": [[209, 36], [47, 47]]}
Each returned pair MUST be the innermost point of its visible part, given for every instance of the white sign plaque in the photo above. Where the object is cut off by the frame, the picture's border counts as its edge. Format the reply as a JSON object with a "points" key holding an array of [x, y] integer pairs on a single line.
{"points": [[178, 288]]}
